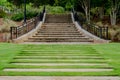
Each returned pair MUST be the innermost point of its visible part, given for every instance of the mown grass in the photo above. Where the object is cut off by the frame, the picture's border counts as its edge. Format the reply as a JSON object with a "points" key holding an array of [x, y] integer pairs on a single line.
{"points": [[111, 53], [58, 67], [7, 52]]}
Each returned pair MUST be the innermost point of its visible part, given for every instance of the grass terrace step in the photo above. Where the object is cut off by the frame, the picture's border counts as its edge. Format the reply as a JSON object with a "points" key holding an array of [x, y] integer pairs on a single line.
{"points": [[57, 66], [24, 60], [60, 57], [58, 70], [59, 60], [55, 54]]}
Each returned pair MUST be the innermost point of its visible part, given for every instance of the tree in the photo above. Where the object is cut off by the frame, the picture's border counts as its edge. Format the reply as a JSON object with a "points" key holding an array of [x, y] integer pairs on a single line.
{"points": [[100, 6], [16, 2], [2, 2], [56, 3], [114, 8], [85, 4]]}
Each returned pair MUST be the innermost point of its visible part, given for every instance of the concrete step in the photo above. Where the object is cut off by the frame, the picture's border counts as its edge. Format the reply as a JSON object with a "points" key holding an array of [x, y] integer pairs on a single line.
{"points": [[59, 40], [58, 24], [58, 31], [59, 36]]}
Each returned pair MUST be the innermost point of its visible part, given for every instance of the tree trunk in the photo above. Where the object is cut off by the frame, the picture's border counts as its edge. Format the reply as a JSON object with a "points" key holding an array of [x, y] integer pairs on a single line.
{"points": [[87, 14], [113, 16], [101, 12]]}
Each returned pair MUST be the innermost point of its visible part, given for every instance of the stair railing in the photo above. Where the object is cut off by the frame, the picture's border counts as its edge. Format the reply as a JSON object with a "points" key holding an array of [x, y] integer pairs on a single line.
{"points": [[27, 27], [101, 32]]}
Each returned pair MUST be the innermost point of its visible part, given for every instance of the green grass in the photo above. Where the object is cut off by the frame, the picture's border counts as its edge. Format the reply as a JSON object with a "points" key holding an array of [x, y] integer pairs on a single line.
{"points": [[109, 52], [7, 52]]}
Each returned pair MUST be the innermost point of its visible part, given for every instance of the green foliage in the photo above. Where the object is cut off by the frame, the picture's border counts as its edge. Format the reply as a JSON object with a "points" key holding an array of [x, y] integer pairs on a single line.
{"points": [[56, 3], [31, 12], [94, 10], [17, 17], [68, 6], [57, 9], [2, 13], [2, 2], [20, 16]]}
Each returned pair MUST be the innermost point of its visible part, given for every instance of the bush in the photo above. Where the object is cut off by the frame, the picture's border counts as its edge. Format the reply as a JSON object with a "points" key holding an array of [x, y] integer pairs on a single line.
{"points": [[57, 9], [81, 18], [2, 13], [6, 26], [17, 17], [20, 16], [31, 14], [54, 9], [115, 34], [68, 6]]}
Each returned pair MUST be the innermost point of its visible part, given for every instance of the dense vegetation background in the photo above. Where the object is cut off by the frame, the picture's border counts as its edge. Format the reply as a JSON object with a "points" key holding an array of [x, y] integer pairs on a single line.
{"points": [[100, 12]]}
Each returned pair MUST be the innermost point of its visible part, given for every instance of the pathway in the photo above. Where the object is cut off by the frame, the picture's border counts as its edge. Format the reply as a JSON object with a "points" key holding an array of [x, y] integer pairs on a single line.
{"points": [[57, 78]]}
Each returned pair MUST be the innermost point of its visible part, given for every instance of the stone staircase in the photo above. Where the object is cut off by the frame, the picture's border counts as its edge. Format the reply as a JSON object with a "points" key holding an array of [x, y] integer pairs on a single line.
{"points": [[58, 28]]}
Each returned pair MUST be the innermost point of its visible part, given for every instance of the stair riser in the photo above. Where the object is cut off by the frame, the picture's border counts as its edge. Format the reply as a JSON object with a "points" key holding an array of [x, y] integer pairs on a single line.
{"points": [[66, 40], [59, 41], [58, 34]]}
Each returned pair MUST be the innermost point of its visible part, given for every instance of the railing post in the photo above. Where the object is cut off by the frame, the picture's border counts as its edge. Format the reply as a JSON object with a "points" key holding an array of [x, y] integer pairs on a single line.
{"points": [[106, 32], [16, 32], [76, 16], [101, 31], [93, 29], [11, 37]]}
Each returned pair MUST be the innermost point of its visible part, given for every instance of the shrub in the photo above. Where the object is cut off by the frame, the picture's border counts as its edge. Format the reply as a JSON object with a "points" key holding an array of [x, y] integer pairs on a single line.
{"points": [[115, 34], [31, 14], [17, 17], [68, 6], [57, 9], [99, 24], [2, 13], [20, 16], [81, 18], [6, 26], [48, 8], [54, 9]]}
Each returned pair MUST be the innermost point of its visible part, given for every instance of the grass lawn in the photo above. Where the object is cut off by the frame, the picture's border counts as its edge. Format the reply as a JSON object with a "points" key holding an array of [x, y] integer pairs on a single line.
{"points": [[7, 52], [20, 53]]}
